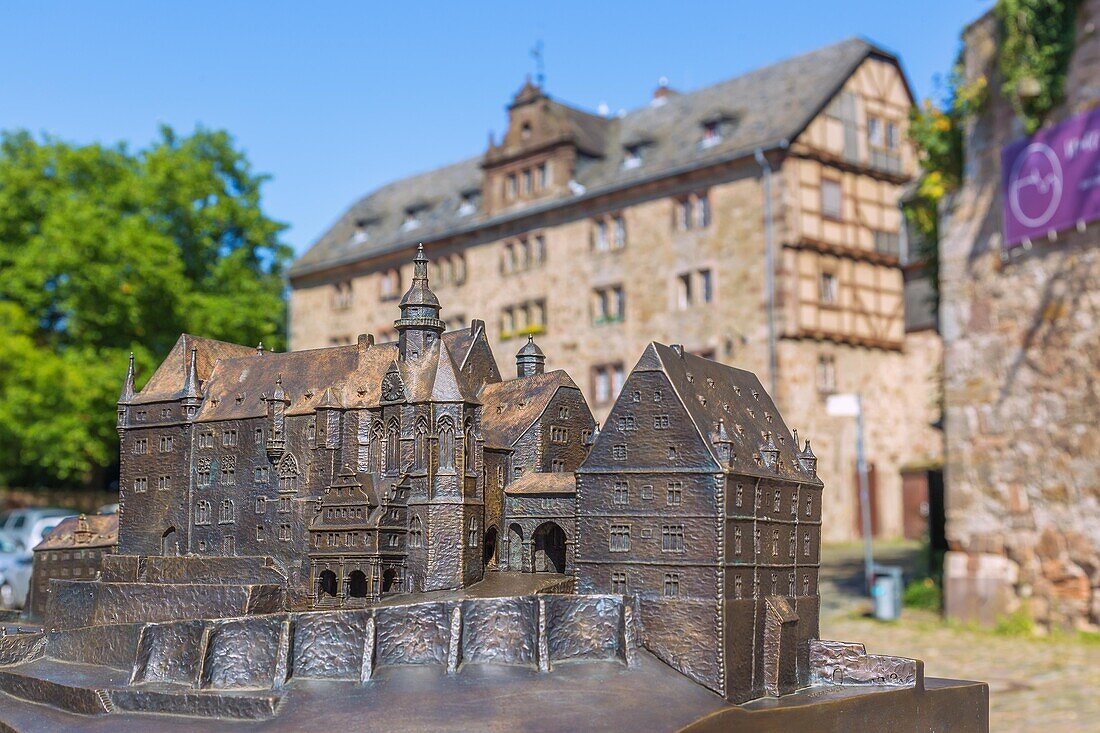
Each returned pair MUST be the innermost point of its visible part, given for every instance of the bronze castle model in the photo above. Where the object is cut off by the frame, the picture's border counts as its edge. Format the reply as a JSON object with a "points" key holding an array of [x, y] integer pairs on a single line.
{"points": [[391, 536]]}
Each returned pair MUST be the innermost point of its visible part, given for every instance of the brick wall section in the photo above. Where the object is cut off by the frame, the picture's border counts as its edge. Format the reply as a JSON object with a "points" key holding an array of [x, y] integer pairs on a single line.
{"points": [[1022, 358]]}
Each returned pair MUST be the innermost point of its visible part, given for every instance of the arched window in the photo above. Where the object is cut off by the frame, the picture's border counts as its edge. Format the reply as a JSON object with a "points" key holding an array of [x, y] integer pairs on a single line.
{"points": [[288, 474], [393, 447], [374, 448], [467, 445], [420, 444], [227, 513], [416, 532], [446, 430]]}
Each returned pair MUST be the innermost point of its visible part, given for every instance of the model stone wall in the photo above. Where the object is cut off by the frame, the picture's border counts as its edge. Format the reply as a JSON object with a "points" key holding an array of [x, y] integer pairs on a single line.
{"points": [[154, 479], [1022, 358], [568, 410]]}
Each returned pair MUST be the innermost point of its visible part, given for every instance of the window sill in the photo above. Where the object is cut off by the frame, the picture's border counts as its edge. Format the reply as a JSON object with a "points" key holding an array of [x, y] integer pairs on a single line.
{"points": [[527, 331]]}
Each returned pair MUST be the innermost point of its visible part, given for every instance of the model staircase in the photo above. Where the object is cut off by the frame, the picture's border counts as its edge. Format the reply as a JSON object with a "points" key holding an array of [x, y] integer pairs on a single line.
{"points": [[105, 700]]}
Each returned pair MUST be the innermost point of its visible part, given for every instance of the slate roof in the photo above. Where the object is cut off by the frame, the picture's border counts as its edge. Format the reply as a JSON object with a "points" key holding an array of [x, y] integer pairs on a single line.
{"points": [[236, 385], [763, 108], [559, 482], [716, 395], [98, 530], [511, 408], [168, 381]]}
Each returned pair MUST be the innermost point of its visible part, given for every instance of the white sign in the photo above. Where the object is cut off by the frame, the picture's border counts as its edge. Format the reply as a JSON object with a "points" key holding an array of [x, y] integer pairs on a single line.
{"points": [[842, 405]]}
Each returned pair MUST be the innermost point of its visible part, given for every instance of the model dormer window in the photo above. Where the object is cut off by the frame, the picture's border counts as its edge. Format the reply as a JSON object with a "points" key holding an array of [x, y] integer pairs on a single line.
{"points": [[525, 131]]}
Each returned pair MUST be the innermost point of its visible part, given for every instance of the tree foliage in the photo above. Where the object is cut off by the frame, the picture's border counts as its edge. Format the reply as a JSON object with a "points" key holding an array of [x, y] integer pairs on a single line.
{"points": [[104, 250]]}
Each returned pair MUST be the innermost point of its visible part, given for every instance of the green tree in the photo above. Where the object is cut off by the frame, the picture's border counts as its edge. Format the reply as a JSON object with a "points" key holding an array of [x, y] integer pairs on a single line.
{"points": [[103, 251]]}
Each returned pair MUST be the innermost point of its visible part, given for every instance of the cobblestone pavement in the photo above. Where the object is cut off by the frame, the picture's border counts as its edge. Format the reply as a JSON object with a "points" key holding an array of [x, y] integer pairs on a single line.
{"points": [[1035, 684]]}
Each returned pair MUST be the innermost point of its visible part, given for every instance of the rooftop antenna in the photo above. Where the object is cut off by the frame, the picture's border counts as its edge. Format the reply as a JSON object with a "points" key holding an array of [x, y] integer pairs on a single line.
{"points": [[540, 66]]}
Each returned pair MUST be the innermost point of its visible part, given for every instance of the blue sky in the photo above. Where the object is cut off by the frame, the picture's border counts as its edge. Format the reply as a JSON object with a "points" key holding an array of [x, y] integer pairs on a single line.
{"points": [[333, 99]]}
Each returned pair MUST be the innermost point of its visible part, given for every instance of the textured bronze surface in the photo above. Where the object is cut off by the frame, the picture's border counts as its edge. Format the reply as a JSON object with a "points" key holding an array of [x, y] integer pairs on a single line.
{"points": [[391, 537]]}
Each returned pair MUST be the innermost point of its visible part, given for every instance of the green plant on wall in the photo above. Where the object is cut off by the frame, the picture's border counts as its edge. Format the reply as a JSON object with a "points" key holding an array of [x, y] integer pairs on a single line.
{"points": [[936, 130], [1036, 43]]}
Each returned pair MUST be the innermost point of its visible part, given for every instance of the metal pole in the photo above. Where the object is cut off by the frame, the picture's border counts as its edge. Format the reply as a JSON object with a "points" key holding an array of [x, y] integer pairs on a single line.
{"points": [[864, 499], [769, 273]]}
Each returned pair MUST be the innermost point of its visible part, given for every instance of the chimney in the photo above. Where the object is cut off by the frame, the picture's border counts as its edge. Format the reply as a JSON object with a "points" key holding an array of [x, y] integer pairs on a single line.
{"points": [[663, 93], [364, 342]]}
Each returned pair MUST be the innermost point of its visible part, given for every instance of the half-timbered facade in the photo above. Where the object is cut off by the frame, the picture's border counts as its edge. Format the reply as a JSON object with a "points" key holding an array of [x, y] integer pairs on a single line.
{"points": [[599, 233]]}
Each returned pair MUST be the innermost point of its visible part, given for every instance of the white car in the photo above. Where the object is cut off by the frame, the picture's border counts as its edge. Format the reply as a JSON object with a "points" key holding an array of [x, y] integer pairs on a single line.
{"points": [[15, 574], [26, 527]]}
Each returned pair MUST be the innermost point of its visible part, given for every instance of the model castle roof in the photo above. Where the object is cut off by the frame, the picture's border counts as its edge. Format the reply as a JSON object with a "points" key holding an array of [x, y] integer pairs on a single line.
{"points": [[729, 405]]}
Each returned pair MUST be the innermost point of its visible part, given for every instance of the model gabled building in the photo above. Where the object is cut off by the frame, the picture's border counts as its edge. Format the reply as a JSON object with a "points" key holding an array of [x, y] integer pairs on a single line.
{"points": [[697, 499], [261, 492], [358, 470]]}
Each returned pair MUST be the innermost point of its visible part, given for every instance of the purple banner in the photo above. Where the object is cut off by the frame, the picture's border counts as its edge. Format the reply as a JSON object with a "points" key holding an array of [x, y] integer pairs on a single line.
{"points": [[1052, 179]]}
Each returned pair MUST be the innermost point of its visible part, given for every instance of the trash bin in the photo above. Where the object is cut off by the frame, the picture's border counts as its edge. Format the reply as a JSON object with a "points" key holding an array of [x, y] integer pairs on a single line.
{"points": [[886, 592]]}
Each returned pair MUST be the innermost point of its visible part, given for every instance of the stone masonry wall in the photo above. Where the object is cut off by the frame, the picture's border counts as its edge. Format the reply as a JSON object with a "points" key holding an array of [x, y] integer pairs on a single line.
{"points": [[732, 327], [1022, 379]]}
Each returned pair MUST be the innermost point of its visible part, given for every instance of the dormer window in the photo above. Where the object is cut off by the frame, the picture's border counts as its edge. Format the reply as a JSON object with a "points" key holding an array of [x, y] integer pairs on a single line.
{"points": [[525, 131], [412, 218], [362, 232], [632, 157], [468, 204], [712, 134]]}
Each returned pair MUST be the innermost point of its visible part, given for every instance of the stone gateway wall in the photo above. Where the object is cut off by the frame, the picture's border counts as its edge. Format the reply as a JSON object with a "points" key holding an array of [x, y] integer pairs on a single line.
{"points": [[1021, 336]]}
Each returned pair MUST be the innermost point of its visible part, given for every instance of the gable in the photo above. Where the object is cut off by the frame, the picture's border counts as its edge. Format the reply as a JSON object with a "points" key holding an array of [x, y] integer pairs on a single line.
{"points": [[638, 420]]}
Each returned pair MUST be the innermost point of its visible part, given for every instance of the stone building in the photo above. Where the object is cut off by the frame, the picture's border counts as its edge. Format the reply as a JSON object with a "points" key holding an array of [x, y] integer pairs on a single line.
{"points": [[72, 551], [697, 500], [1021, 328], [598, 234], [356, 470]]}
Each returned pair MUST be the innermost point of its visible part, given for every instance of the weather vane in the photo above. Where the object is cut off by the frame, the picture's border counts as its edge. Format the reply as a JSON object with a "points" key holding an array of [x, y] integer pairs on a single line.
{"points": [[540, 65]]}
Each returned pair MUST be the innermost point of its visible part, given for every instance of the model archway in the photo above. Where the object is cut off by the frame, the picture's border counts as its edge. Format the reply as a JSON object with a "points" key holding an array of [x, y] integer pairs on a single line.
{"points": [[326, 584], [549, 547], [489, 547], [168, 545], [515, 548], [357, 584]]}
